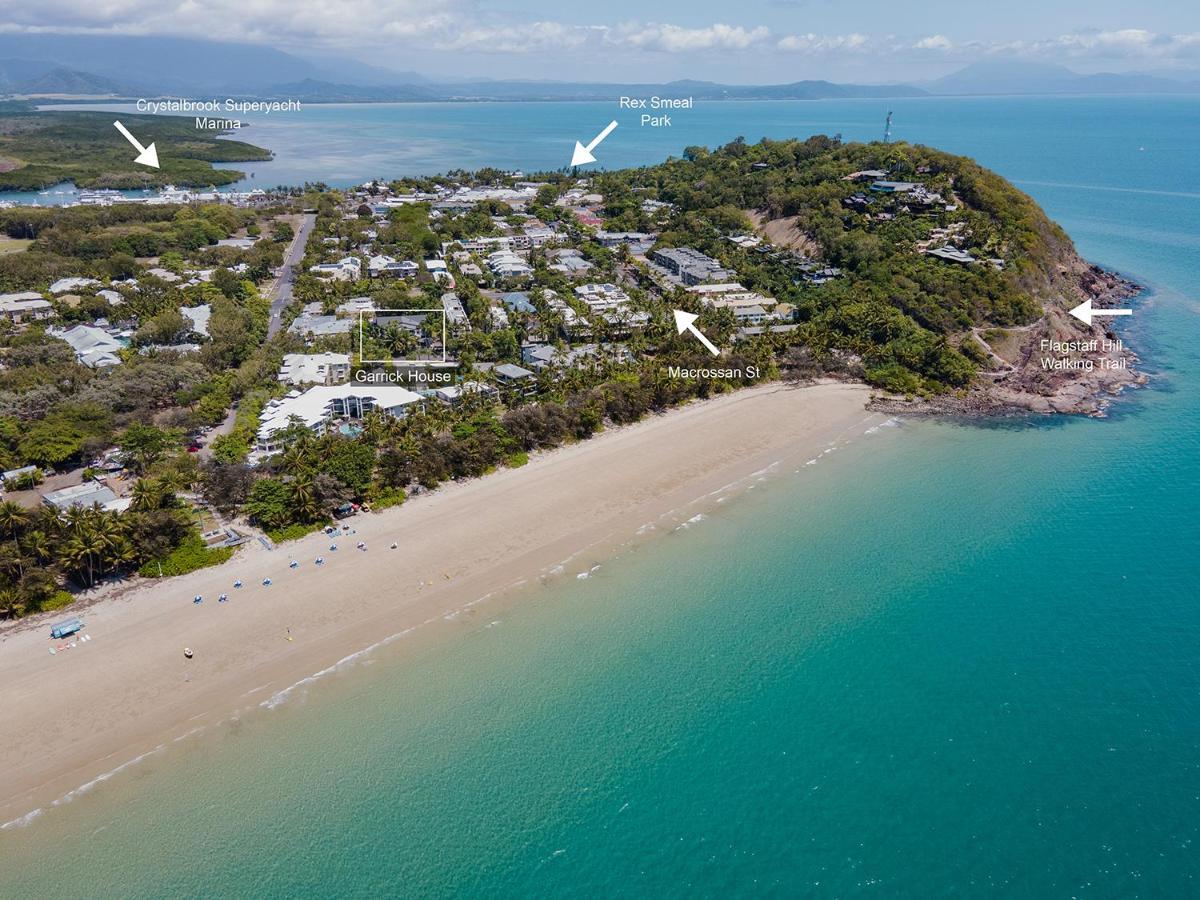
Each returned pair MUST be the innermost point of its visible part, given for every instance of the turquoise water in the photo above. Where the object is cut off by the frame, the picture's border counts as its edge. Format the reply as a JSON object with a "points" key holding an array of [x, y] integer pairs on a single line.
{"points": [[947, 659]]}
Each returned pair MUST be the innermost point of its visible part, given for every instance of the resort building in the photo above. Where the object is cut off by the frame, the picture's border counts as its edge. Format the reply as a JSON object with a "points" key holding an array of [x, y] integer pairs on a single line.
{"points": [[27, 306], [481, 244], [953, 254], [456, 316], [506, 264], [315, 368], [321, 408], [691, 266], [637, 240], [601, 297]]}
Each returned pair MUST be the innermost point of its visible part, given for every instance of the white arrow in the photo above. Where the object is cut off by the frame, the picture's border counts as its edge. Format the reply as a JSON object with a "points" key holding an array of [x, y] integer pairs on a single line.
{"points": [[583, 154], [686, 321], [147, 156], [1084, 312]]}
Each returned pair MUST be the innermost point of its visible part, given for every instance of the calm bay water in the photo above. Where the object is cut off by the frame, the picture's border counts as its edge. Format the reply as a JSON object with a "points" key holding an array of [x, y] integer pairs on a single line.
{"points": [[947, 659]]}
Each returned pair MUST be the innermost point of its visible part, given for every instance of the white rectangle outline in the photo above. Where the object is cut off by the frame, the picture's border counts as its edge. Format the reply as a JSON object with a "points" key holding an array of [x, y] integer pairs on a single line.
{"points": [[378, 362]]}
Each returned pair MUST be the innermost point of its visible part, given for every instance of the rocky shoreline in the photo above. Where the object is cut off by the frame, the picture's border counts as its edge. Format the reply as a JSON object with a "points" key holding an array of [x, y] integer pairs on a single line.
{"points": [[1056, 365]]}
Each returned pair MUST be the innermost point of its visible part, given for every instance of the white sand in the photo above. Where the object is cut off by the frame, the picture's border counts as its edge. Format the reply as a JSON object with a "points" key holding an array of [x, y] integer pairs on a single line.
{"points": [[65, 719]]}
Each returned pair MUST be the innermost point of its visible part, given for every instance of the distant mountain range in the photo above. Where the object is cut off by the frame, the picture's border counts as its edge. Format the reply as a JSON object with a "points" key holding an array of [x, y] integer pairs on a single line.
{"points": [[22, 76], [1023, 77], [85, 65], [319, 91]]}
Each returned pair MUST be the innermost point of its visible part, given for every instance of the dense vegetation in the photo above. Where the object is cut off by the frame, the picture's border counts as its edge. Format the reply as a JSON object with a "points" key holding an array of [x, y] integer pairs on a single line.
{"points": [[895, 308], [47, 148], [891, 316]]}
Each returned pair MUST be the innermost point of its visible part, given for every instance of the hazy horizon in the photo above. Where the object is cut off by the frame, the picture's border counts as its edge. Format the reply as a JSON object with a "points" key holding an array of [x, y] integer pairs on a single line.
{"points": [[768, 42]]}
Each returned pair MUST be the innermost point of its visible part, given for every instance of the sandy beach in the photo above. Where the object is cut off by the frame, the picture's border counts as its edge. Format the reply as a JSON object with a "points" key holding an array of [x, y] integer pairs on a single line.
{"points": [[70, 717]]}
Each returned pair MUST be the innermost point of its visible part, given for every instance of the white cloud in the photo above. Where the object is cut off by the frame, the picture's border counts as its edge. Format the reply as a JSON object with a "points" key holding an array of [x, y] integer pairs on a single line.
{"points": [[1134, 44], [391, 28], [823, 43], [525, 38], [674, 39], [934, 42]]}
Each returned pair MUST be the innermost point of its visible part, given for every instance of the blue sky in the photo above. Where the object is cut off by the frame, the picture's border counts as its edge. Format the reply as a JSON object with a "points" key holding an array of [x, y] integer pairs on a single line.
{"points": [[751, 41]]}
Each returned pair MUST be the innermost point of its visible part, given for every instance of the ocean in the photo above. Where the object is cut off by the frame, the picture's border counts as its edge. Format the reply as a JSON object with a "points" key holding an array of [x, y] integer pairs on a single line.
{"points": [[949, 658]]}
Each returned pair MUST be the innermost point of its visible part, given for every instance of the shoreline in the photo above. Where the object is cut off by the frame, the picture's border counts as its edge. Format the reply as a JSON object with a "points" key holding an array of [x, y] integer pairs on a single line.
{"points": [[1025, 388], [129, 691]]}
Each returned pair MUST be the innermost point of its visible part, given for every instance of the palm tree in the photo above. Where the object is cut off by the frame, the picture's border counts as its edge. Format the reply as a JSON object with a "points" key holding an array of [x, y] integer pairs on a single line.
{"points": [[11, 603], [38, 546], [304, 499], [147, 494], [76, 553], [12, 519], [294, 459]]}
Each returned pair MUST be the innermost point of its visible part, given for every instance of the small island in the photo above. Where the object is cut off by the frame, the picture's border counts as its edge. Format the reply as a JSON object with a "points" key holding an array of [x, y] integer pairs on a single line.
{"points": [[40, 149]]}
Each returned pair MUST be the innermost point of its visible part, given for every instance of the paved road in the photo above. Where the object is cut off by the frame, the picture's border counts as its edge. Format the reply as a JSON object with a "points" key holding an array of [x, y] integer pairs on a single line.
{"points": [[291, 263]]}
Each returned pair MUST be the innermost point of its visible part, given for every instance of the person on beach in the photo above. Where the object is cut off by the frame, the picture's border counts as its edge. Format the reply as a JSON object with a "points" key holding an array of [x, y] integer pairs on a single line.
{"points": [[293, 565], [266, 582], [320, 560], [222, 598], [197, 599], [238, 583]]}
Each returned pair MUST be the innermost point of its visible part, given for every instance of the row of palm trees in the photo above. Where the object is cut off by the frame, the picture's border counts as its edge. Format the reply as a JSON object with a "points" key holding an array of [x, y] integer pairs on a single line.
{"points": [[42, 547]]}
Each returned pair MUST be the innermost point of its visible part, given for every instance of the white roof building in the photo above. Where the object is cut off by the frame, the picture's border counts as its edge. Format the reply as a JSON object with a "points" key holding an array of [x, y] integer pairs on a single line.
{"points": [[456, 316], [66, 285], [23, 306], [356, 305], [311, 326], [506, 264], [83, 495], [601, 297], [94, 347], [346, 269], [314, 368], [318, 406], [242, 243], [198, 316]]}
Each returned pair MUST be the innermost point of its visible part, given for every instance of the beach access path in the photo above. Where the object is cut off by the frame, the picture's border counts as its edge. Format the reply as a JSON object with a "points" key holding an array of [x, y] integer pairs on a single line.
{"points": [[84, 711]]}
